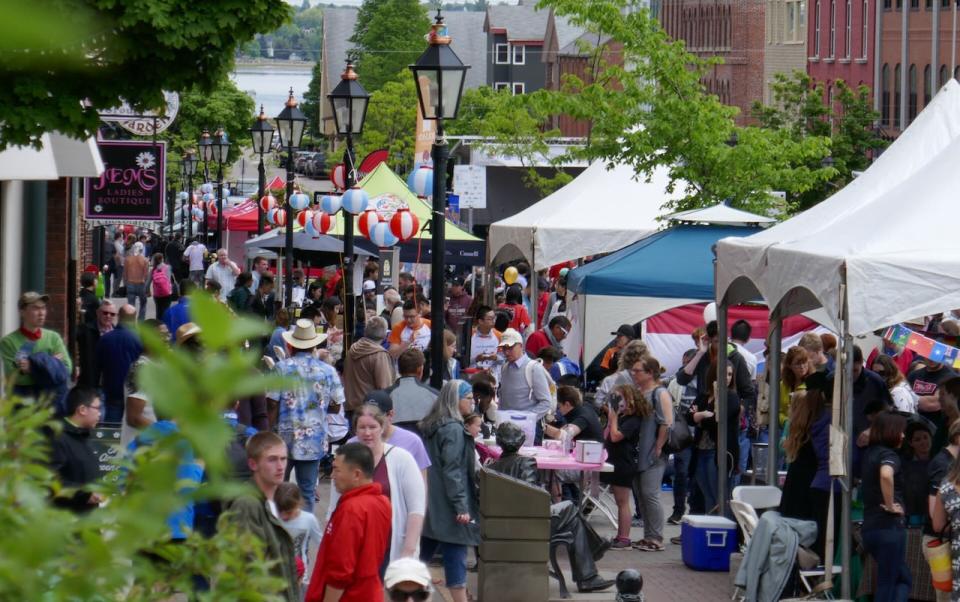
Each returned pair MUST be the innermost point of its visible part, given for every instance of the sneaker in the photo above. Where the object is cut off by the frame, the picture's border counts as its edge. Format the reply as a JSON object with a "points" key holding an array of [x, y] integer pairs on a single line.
{"points": [[675, 519], [676, 540], [621, 544]]}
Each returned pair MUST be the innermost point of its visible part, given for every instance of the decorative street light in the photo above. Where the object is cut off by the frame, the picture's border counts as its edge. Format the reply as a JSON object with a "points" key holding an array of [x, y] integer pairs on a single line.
{"points": [[206, 154], [290, 125], [438, 76], [262, 133], [349, 102], [190, 167], [183, 196], [220, 148]]}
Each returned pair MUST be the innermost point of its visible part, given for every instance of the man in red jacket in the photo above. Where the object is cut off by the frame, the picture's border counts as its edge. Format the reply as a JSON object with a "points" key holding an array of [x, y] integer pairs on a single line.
{"points": [[355, 541], [551, 336]]}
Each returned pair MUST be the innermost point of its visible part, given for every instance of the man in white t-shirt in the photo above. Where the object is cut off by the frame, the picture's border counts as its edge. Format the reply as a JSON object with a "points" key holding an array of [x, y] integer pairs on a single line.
{"points": [[195, 253], [224, 272], [412, 332], [485, 340]]}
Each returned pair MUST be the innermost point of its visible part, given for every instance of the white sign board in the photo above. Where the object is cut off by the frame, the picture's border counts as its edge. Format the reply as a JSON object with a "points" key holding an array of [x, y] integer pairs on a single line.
{"points": [[144, 123], [470, 183]]}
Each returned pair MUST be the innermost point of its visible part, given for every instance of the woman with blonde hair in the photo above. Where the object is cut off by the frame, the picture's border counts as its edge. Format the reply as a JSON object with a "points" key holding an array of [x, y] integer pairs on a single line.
{"points": [[901, 392], [795, 368], [626, 410]]}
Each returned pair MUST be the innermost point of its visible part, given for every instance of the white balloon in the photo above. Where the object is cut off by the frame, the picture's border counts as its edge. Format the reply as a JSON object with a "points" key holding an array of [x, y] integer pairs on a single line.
{"points": [[710, 312]]}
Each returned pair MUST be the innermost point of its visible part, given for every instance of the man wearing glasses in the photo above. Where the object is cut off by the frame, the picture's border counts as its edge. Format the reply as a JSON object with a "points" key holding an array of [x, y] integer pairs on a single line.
{"points": [[72, 456], [87, 337], [413, 332], [551, 336]]}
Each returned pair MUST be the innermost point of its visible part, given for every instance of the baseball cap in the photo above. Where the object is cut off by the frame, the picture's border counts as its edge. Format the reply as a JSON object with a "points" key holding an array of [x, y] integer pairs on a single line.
{"points": [[186, 332], [626, 330], [510, 337], [30, 297], [407, 569], [456, 281], [369, 285], [381, 399]]}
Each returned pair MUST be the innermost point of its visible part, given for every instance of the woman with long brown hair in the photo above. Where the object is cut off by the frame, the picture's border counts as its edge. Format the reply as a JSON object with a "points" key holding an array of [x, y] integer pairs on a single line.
{"points": [[795, 368], [626, 408], [903, 396]]}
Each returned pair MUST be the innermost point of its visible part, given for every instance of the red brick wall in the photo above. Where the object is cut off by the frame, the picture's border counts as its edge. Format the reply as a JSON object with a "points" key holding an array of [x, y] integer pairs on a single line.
{"points": [[58, 255]]}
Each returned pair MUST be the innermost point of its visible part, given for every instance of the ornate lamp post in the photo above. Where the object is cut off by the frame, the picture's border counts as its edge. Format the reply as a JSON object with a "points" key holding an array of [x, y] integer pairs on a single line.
{"points": [[190, 168], [438, 75], [349, 103], [290, 125], [262, 133], [221, 148], [206, 154]]}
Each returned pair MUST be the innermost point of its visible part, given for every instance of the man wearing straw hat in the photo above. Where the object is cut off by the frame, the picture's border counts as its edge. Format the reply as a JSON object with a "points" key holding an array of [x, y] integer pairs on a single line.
{"points": [[302, 418]]}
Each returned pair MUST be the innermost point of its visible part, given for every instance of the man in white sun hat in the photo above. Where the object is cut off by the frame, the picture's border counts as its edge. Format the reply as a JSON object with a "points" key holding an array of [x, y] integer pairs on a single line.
{"points": [[407, 579], [302, 412]]}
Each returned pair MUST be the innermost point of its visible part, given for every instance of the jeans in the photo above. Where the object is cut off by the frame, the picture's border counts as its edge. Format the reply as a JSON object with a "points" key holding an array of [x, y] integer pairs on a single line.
{"points": [[681, 466], [162, 304], [454, 560], [197, 277], [745, 447], [117, 279], [307, 473], [706, 477], [647, 482], [138, 291], [112, 412], [889, 548]]}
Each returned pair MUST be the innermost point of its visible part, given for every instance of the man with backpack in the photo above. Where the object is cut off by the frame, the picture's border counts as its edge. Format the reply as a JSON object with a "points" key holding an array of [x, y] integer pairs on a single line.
{"points": [[523, 388]]}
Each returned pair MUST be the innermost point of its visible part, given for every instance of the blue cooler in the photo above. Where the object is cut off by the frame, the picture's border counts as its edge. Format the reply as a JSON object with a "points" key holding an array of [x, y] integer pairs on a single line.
{"points": [[707, 542]]}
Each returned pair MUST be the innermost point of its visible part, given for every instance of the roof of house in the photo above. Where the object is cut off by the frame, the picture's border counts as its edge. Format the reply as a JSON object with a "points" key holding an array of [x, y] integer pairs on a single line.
{"points": [[470, 44], [522, 22], [574, 47]]}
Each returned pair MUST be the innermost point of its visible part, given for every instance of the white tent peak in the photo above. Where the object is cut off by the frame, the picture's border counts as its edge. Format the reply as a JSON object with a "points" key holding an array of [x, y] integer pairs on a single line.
{"points": [[721, 215]]}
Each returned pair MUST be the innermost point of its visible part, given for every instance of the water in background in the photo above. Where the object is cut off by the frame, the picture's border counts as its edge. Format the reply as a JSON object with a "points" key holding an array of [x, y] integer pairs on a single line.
{"points": [[269, 85]]}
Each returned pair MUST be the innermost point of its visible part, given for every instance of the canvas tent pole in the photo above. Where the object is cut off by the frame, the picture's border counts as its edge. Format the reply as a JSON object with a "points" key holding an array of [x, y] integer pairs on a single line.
{"points": [[773, 396], [845, 530], [533, 284], [721, 410]]}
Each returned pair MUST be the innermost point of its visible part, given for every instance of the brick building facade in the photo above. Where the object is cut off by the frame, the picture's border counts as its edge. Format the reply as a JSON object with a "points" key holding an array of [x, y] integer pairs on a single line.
{"points": [[841, 42], [786, 43], [733, 30]]}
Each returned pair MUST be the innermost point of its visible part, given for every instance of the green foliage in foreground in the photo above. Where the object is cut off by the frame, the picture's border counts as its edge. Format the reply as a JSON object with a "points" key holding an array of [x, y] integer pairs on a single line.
{"points": [[48, 554]]}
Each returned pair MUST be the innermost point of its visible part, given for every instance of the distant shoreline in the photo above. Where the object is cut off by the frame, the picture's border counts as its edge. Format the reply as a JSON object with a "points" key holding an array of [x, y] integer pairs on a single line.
{"points": [[248, 63]]}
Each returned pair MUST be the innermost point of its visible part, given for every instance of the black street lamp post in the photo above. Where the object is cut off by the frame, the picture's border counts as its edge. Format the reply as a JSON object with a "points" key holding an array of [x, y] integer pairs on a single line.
{"points": [[220, 148], [262, 134], [290, 125], [349, 102], [183, 193], [206, 154], [190, 167], [438, 76]]}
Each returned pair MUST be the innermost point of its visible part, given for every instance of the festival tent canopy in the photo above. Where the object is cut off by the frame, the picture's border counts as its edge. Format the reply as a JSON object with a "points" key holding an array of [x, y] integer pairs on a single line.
{"points": [[888, 236], [319, 250], [240, 218], [600, 211]]}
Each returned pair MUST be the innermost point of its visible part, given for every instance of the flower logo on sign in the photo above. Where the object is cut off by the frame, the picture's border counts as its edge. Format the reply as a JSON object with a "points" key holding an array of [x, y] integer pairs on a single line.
{"points": [[146, 160], [387, 204], [98, 208]]}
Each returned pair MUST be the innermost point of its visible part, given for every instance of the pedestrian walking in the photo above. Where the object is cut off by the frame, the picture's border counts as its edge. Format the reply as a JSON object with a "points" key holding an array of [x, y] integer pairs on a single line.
{"points": [[72, 456], [160, 285], [136, 270], [224, 272], [194, 255]]}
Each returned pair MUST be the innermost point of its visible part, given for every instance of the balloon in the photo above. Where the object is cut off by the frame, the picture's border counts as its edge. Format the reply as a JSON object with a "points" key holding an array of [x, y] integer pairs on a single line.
{"points": [[510, 275], [404, 224], [367, 220], [267, 202], [381, 235], [710, 312], [299, 201], [331, 203], [323, 222], [355, 200]]}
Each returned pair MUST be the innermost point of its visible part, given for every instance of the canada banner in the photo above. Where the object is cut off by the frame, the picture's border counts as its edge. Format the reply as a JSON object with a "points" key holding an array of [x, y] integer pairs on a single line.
{"points": [[667, 334], [133, 184]]}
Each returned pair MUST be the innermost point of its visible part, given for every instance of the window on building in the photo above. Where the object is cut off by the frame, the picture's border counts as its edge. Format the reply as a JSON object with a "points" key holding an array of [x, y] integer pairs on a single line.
{"points": [[943, 77], [816, 29], [830, 106], [519, 54], [914, 4], [865, 36], [833, 28], [501, 86], [912, 99], [927, 85], [794, 21], [885, 95], [502, 54], [848, 22], [896, 96], [519, 88], [887, 4]]}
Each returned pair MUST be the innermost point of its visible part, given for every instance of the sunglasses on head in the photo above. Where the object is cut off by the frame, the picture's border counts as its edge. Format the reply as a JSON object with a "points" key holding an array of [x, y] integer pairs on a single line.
{"points": [[418, 595]]}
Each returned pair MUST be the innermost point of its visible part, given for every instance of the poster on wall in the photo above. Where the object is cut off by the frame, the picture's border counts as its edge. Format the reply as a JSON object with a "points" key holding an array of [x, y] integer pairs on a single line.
{"points": [[133, 184]]}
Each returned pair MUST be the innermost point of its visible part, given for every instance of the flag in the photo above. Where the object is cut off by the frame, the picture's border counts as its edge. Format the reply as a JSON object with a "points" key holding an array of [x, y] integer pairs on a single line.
{"points": [[951, 356], [938, 352], [920, 344], [900, 335], [888, 333]]}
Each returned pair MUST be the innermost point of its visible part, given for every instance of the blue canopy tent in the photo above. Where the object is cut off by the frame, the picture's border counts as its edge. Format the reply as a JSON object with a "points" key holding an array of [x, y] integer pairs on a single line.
{"points": [[667, 269]]}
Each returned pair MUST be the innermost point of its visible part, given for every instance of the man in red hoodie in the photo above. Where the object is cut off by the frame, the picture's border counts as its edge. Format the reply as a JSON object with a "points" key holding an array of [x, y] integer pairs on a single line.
{"points": [[355, 541]]}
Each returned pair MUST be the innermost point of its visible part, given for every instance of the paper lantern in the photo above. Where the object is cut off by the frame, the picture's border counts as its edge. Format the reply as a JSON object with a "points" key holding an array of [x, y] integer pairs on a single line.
{"points": [[323, 222], [331, 203], [710, 312], [183, 195], [355, 200], [212, 208], [309, 228], [197, 214], [367, 220], [304, 217], [206, 188], [267, 202], [381, 235], [277, 217], [338, 176], [510, 275], [207, 197], [404, 224], [299, 201], [420, 181]]}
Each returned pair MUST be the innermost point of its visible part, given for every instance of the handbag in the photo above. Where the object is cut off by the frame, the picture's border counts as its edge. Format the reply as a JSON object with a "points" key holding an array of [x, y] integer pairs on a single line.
{"points": [[679, 436], [937, 553]]}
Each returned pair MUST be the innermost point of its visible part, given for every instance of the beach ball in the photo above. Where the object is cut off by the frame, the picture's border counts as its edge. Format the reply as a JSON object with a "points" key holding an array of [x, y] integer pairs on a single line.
{"points": [[331, 203], [304, 217], [355, 200], [323, 222], [404, 224], [510, 275], [206, 188], [267, 202], [367, 220], [420, 181], [381, 235], [299, 201]]}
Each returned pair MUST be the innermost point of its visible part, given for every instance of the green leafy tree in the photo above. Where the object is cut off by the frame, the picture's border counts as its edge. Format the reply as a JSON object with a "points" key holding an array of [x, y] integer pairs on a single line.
{"points": [[388, 37], [391, 122], [311, 101], [107, 554], [123, 49], [799, 109]]}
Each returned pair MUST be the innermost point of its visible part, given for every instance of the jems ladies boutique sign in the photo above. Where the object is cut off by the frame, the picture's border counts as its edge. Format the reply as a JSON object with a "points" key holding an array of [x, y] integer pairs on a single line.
{"points": [[133, 182]]}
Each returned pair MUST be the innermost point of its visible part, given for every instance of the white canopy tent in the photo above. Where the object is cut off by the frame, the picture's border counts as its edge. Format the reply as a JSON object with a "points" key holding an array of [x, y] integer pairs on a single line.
{"points": [[879, 251], [600, 211]]}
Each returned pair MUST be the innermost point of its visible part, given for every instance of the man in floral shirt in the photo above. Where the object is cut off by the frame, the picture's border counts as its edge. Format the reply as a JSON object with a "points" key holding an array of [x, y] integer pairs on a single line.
{"points": [[303, 410]]}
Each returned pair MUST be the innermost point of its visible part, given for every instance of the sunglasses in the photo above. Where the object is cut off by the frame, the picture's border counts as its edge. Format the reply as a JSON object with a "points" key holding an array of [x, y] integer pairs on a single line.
{"points": [[419, 595], [108, 313]]}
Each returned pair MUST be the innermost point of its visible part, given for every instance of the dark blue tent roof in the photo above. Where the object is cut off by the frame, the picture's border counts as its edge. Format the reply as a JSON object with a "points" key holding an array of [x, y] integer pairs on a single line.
{"points": [[673, 263]]}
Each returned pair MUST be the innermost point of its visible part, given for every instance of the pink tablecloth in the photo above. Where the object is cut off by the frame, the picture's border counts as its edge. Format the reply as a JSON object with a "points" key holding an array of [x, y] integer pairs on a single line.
{"points": [[548, 460]]}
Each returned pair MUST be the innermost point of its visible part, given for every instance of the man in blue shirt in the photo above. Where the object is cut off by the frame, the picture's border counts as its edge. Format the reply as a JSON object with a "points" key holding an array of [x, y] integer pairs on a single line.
{"points": [[179, 314], [116, 352]]}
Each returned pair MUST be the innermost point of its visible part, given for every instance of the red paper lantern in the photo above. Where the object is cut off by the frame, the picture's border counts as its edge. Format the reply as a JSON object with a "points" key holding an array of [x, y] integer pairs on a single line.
{"points": [[303, 217], [323, 221], [404, 224], [280, 217], [212, 208], [267, 202], [367, 220]]}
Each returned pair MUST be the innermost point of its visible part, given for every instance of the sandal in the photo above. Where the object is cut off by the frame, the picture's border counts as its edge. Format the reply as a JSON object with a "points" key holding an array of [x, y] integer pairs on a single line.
{"points": [[645, 545]]}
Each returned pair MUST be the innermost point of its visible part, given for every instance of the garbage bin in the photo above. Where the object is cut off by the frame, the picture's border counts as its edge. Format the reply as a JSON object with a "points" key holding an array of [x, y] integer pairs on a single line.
{"points": [[515, 540]]}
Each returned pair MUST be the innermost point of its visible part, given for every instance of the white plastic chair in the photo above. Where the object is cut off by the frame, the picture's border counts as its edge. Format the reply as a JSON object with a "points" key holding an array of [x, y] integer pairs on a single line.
{"points": [[747, 519], [759, 497]]}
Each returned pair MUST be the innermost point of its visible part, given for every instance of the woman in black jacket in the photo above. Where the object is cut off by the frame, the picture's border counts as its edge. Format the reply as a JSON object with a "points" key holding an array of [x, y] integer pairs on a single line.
{"points": [[703, 414]]}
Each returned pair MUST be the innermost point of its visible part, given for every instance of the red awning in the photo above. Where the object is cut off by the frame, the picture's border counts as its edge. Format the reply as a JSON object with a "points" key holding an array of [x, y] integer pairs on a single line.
{"points": [[242, 218]]}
